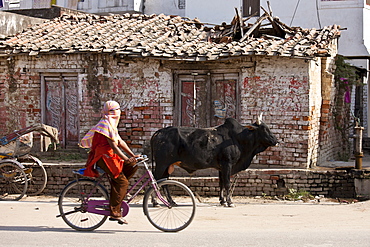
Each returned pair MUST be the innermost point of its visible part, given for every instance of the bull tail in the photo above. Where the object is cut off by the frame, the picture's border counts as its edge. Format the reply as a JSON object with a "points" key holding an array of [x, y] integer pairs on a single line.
{"points": [[152, 151], [152, 157]]}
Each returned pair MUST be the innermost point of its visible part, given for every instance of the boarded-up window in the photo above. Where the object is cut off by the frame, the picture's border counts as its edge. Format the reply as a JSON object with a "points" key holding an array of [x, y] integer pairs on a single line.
{"points": [[193, 107], [205, 100], [251, 8], [224, 97]]}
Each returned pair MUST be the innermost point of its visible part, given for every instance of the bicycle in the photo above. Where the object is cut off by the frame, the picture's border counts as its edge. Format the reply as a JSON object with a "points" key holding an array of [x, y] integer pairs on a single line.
{"points": [[20, 172], [84, 202], [13, 180]]}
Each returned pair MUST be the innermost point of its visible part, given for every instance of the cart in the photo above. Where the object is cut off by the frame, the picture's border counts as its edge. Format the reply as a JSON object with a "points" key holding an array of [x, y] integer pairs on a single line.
{"points": [[20, 172]]}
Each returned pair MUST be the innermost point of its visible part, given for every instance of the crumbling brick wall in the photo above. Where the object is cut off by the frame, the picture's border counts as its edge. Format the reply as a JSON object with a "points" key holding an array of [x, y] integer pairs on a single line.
{"points": [[286, 90], [331, 140], [19, 95], [288, 93], [252, 182], [143, 91]]}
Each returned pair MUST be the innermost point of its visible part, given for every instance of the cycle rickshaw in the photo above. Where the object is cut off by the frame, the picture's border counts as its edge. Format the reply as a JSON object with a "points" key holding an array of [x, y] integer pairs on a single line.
{"points": [[20, 172]]}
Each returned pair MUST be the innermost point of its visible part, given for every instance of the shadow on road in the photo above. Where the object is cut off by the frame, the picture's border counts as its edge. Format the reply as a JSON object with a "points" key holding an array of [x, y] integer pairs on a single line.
{"points": [[53, 229]]}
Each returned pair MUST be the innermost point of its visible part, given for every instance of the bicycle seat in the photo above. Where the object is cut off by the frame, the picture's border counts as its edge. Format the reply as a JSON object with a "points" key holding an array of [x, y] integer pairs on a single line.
{"points": [[82, 170]]}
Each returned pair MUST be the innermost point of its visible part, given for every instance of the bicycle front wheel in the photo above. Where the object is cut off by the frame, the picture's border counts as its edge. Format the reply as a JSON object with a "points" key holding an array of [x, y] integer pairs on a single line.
{"points": [[13, 181], [180, 212], [36, 174], [73, 204]]}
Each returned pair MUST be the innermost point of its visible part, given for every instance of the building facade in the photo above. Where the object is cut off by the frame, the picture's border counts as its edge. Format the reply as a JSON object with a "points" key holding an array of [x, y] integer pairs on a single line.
{"points": [[61, 72], [352, 15]]}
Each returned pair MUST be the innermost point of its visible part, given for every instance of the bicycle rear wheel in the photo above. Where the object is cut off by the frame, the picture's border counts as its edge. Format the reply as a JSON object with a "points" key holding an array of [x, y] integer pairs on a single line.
{"points": [[175, 217], [73, 204], [13, 181], [36, 174]]}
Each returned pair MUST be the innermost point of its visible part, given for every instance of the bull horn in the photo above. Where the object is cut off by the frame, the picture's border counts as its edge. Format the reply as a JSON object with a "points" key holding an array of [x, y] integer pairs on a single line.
{"points": [[259, 119]]}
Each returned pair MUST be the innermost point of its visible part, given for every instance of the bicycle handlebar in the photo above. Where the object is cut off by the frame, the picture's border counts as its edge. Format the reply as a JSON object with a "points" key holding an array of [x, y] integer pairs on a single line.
{"points": [[142, 158]]}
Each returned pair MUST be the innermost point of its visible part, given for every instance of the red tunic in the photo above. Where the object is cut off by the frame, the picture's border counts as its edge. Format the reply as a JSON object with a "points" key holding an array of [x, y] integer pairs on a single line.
{"points": [[101, 149]]}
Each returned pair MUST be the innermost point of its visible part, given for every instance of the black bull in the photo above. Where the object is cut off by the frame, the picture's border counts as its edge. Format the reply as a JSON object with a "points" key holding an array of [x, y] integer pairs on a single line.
{"points": [[229, 148]]}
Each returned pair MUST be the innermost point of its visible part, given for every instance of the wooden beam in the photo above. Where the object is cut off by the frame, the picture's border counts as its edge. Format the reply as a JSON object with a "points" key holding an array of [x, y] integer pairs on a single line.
{"points": [[269, 6], [255, 25], [240, 21], [273, 23]]}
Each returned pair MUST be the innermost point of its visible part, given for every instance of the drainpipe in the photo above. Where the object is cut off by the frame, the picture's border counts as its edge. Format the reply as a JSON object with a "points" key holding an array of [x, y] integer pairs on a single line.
{"points": [[358, 146]]}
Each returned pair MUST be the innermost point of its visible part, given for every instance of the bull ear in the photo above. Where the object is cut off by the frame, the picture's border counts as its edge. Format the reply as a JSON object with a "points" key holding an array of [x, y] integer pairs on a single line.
{"points": [[251, 127], [259, 119]]}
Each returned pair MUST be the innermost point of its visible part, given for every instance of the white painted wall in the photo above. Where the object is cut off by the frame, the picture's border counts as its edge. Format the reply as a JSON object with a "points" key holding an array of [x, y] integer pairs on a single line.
{"points": [[101, 6], [211, 11], [351, 14], [167, 7], [348, 14]]}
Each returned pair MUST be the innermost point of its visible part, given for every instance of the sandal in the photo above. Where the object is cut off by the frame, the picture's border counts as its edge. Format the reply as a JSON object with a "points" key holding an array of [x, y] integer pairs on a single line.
{"points": [[120, 221]]}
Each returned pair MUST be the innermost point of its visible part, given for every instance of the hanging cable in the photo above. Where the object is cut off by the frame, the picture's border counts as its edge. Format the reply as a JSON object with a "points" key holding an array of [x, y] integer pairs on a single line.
{"points": [[296, 7], [318, 14]]}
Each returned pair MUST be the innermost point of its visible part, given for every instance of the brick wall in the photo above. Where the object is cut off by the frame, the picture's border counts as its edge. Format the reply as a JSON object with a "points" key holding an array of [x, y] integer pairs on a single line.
{"points": [[252, 182], [289, 95], [286, 90], [19, 95], [143, 91]]}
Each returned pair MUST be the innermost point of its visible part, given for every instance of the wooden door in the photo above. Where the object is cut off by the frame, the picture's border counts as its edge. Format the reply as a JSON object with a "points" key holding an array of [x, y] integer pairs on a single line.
{"points": [[61, 106]]}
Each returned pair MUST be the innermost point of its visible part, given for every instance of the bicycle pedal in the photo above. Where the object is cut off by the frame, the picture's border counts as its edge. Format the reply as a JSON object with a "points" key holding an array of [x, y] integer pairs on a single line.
{"points": [[28, 170], [119, 221], [9, 175]]}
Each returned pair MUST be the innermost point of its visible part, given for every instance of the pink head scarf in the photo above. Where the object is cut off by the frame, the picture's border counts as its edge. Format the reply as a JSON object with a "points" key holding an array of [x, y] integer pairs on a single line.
{"points": [[107, 125]]}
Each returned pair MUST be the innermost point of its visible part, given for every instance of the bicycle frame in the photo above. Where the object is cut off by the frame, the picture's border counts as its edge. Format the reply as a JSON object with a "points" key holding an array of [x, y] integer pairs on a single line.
{"points": [[102, 206]]}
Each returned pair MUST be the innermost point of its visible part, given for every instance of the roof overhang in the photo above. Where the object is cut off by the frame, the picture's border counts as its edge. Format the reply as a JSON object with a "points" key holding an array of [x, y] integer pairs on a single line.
{"points": [[357, 57]]}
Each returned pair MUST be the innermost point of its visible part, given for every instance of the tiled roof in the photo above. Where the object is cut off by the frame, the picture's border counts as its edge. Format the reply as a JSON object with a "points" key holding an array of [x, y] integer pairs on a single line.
{"points": [[166, 37]]}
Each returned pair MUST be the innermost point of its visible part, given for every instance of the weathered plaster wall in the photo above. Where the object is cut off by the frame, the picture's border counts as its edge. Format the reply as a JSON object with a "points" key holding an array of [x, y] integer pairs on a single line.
{"points": [[143, 89], [19, 94], [280, 89], [287, 91], [315, 101], [330, 138], [11, 24]]}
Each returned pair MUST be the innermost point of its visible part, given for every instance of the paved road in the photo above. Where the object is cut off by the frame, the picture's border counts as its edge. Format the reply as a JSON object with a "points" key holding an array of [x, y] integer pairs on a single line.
{"points": [[32, 222]]}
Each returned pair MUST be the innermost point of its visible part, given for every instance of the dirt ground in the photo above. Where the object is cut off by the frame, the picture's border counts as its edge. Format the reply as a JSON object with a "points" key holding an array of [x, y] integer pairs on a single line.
{"points": [[239, 200], [269, 200]]}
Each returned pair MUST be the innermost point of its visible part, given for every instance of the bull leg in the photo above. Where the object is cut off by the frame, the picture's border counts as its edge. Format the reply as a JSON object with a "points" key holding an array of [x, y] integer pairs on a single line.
{"points": [[158, 174], [226, 185], [221, 184], [165, 173]]}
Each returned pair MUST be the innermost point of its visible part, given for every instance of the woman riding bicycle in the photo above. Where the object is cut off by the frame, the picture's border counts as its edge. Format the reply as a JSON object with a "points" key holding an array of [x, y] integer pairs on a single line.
{"points": [[105, 143]]}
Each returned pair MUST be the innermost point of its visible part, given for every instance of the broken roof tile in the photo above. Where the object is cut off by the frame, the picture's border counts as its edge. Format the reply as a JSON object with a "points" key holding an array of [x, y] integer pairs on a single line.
{"points": [[167, 37]]}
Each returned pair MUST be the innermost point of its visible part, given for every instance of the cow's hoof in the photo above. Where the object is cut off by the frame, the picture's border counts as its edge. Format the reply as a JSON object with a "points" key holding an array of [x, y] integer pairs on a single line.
{"points": [[231, 205], [223, 204]]}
